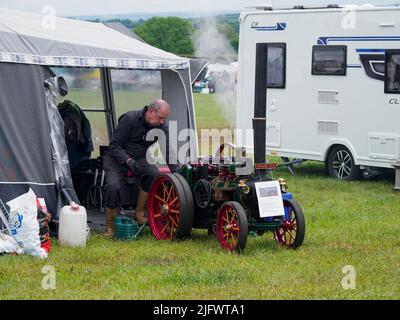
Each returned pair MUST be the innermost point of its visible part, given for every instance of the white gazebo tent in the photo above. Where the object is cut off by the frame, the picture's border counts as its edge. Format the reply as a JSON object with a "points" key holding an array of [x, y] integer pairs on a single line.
{"points": [[29, 45]]}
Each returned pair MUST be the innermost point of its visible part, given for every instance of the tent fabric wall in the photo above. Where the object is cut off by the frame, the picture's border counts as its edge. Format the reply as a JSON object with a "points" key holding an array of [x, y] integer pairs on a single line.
{"points": [[177, 91], [25, 147]]}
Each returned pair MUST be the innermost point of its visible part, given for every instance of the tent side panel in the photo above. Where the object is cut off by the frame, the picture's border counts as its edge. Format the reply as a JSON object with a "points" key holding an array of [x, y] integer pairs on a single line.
{"points": [[185, 76], [179, 97], [25, 147]]}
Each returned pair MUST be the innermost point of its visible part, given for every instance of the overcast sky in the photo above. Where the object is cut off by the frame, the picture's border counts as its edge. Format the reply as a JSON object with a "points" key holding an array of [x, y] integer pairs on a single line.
{"points": [[108, 7]]}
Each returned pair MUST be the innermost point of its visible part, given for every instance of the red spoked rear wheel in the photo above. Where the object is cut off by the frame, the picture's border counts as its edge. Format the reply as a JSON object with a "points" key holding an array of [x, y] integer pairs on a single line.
{"points": [[170, 208], [291, 233], [232, 226]]}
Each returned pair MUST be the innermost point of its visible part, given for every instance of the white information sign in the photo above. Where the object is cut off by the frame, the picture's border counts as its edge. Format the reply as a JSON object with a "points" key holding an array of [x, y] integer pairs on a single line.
{"points": [[269, 198]]}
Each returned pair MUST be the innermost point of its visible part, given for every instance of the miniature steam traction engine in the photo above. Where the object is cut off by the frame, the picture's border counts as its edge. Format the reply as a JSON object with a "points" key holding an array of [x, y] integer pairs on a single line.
{"points": [[206, 195], [209, 194]]}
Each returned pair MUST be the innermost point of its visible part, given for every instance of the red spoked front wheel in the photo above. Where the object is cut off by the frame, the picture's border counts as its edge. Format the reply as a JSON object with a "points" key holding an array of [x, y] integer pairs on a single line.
{"points": [[232, 226], [170, 207], [291, 233]]}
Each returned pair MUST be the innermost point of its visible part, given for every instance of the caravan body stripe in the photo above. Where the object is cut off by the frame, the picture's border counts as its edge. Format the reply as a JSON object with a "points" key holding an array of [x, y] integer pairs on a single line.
{"points": [[370, 50], [326, 40]]}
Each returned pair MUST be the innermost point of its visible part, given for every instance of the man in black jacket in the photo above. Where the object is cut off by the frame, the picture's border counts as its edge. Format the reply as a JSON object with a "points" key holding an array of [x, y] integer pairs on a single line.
{"points": [[127, 152]]}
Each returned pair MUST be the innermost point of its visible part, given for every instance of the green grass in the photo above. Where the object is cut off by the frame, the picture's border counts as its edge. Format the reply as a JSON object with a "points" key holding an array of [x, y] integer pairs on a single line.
{"points": [[209, 114], [353, 223]]}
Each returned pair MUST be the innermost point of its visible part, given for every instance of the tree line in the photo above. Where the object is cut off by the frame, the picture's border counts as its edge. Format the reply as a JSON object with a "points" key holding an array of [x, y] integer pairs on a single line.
{"points": [[174, 34]]}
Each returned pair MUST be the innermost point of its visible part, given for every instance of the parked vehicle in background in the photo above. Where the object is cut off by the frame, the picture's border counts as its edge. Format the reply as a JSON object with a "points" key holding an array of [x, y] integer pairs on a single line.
{"points": [[217, 78], [198, 86], [333, 84], [221, 77]]}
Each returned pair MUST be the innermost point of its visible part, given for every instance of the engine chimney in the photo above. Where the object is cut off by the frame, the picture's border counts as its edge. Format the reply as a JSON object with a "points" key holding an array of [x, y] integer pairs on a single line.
{"points": [[260, 104]]}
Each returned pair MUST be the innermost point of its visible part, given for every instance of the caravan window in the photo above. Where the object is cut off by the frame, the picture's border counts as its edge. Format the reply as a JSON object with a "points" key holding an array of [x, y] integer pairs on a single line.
{"points": [[329, 60], [392, 74], [276, 71]]}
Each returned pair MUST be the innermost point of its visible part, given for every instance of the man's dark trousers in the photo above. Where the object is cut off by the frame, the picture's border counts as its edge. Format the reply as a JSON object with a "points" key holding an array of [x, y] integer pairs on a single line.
{"points": [[116, 176]]}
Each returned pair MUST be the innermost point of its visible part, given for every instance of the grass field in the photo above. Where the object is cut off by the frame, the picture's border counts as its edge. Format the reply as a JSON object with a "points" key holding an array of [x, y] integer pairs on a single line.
{"points": [[353, 224]]}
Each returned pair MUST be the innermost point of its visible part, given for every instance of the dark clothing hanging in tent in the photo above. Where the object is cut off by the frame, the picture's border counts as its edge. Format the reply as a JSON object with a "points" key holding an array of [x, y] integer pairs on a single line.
{"points": [[78, 133]]}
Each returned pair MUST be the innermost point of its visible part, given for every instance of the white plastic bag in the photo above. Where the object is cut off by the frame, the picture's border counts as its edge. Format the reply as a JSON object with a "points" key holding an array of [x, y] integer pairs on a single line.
{"points": [[9, 245], [24, 223]]}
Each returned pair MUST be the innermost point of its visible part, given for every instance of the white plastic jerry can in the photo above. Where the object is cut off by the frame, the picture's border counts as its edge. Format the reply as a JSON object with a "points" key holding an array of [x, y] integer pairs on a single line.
{"points": [[72, 226]]}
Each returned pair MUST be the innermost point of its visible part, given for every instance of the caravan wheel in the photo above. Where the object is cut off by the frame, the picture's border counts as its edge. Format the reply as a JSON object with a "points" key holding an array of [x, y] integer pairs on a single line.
{"points": [[340, 164]]}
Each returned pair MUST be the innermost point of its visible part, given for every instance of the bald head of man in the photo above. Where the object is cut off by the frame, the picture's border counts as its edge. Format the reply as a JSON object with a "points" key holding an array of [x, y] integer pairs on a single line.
{"points": [[157, 113]]}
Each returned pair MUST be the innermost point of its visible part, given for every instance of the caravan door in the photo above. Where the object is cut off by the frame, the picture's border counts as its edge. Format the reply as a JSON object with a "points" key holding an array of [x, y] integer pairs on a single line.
{"points": [[276, 79]]}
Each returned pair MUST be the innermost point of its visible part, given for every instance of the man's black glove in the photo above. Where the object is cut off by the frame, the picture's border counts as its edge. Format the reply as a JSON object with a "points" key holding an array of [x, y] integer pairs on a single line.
{"points": [[133, 166]]}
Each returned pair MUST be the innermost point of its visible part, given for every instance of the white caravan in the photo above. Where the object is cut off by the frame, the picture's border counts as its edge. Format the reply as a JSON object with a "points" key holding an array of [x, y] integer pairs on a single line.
{"points": [[333, 84]]}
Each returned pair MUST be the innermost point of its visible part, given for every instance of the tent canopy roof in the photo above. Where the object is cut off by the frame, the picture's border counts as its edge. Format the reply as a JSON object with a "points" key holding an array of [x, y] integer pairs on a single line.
{"points": [[38, 39], [121, 28]]}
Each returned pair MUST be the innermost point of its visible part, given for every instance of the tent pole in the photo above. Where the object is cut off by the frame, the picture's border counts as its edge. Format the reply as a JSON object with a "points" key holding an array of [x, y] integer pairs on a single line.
{"points": [[108, 98]]}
